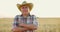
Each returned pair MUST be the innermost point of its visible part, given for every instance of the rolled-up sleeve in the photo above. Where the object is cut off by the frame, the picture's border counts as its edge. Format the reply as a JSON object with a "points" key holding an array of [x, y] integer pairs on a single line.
{"points": [[35, 21]]}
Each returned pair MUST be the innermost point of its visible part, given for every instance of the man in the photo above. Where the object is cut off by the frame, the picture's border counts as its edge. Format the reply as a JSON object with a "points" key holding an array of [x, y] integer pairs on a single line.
{"points": [[25, 22]]}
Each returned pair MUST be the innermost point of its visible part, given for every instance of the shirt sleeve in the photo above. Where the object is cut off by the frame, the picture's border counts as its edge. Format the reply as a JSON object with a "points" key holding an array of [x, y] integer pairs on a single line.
{"points": [[15, 23], [35, 21]]}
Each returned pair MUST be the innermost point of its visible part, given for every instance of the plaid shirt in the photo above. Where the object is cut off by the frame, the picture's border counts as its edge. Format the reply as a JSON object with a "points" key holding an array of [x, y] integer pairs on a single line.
{"points": [[31, 19]]}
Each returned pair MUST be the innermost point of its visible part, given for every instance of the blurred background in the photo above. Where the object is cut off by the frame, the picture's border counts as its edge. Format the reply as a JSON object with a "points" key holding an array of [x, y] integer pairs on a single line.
{"points": [[46, 11]]}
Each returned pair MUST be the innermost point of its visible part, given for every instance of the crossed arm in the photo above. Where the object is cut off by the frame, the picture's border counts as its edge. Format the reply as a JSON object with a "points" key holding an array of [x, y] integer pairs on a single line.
{"points": [[25, 28], [29, 27]]}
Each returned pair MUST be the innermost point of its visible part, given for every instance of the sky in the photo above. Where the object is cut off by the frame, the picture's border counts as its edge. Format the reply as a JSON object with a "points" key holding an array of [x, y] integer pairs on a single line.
{"points": [[41, 8]]}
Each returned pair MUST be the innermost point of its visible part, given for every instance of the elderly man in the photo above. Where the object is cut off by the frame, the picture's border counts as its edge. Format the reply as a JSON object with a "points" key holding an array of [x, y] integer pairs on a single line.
{"points": [[25, 22]]}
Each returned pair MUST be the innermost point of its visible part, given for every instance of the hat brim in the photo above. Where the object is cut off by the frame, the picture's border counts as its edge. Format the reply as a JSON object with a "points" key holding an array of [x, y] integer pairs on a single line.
{"points": [[30, 5]]}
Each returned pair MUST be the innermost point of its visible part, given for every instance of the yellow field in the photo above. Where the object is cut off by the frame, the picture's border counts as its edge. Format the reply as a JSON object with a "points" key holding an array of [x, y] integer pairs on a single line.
{"points": [[45, 25]]}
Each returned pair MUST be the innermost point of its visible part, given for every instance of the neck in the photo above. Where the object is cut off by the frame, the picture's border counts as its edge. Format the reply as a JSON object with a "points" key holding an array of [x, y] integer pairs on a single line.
{"points": [[25, 15]]}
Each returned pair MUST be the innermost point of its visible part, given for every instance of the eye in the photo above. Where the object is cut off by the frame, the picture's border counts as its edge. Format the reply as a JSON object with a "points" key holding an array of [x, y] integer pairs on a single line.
{"points": [[22, 7], [25, 7]]}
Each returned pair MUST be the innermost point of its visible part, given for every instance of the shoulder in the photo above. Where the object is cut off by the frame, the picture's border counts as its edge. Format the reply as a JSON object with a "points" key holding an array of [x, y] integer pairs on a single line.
{"points": [[33, 16], [16, 16]]}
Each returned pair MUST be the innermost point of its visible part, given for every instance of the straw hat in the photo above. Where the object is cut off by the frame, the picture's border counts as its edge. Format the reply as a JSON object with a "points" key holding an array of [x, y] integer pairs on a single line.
{"points": [[30, 5]]}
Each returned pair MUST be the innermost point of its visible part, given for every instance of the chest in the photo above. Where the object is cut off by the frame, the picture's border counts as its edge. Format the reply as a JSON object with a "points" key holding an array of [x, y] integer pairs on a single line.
{"points": [[28, 20]]}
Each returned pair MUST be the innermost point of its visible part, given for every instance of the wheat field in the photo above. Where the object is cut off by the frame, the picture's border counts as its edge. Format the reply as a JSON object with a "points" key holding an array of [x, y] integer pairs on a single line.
{"points": [[45, 24]]}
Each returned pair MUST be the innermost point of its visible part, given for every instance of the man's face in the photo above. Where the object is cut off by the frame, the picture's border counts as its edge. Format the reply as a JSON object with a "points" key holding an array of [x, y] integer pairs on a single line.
{"points": [[25, 9]]}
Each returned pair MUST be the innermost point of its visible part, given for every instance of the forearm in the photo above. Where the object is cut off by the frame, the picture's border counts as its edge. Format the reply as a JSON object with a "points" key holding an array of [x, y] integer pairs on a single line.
{"points": [[23, 29], [19, 29], [30, 27]]}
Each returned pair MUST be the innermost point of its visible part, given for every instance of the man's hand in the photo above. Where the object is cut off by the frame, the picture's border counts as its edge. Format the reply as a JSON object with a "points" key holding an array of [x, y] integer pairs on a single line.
{"points": [[31, 27]]}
